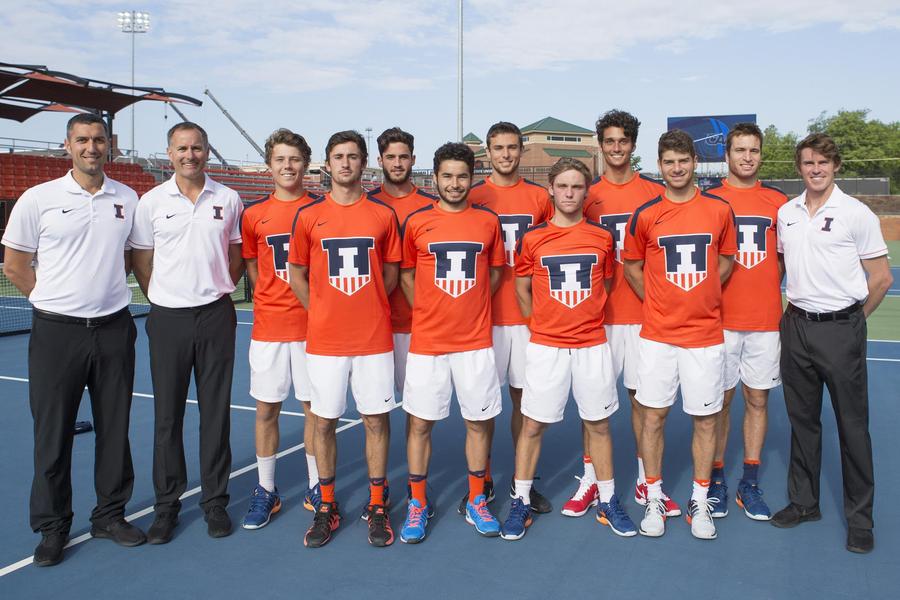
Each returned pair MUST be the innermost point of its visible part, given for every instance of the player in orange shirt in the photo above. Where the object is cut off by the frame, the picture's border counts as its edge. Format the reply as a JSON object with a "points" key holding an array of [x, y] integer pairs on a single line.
{"points": [[452, 263], [611, 201], [344, 261], [520, 204], [751, 310], [278, 340], [679, 250], [564, 269]]}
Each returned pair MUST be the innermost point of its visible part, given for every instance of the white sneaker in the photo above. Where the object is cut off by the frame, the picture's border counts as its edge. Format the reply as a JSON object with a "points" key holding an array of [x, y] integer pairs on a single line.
{"points": [[654, 522], [700, 517]]}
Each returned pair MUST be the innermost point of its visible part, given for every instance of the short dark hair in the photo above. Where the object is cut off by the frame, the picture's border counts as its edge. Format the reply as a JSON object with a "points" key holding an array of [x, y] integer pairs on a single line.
{"points": [[821, 143], [343, 137], [454, 151], [618, 118], [743, 129], [569, 164], [85, 119], [503, 127], [395, 135], [289, 138], [187, 126], [677, 140]]}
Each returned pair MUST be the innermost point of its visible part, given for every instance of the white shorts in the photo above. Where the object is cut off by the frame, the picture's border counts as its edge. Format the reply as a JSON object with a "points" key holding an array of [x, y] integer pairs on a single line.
{"points": [[401, 350], [370, 378], [699, 371], [430, 380], [752, 357], [509, 350], [623, 343], [274, 366], [552, 372]]}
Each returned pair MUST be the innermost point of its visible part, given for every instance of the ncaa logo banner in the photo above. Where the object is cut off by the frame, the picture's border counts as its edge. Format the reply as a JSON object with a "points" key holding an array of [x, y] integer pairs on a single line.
{"points": [[751, 234], [616, 225], [454, 266], [570, 277], [686, 258], [512, 227], [349, 267], [280, 245]]}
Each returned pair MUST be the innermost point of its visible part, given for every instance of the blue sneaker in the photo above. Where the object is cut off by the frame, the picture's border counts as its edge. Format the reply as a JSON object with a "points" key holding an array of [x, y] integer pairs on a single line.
{"points": [[263, 504], [429, 506], [478, 515], [613, 514], [313, 498], [749, 497], [518, 521], [387, 503], [414, 526], [717, 498]]}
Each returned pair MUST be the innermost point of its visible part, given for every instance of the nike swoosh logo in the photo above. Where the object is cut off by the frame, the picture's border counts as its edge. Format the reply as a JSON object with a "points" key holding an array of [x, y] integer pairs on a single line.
{"points": [[170, 216], [64, 211], [320, 224], [485, 408], [427, 229], [607, 406], [265, 220], [388, 399], [658, 221], [789, 224], [708, 403]]}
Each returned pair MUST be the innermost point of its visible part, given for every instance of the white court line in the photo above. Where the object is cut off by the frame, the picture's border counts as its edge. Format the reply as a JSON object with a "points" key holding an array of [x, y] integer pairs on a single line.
{"points": [[146, 511], [885, 359]]}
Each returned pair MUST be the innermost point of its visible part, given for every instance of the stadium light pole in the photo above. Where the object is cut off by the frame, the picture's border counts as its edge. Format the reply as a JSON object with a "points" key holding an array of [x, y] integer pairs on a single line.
{"points": [[133, 22], [459, 77]]}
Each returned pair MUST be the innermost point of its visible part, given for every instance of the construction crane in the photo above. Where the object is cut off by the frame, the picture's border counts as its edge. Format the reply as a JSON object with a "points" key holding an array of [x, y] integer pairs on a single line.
{"points": [[235, 123], [211, 149]]}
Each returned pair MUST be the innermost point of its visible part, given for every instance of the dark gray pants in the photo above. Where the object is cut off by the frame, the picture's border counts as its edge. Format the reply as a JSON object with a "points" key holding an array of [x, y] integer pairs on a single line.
{"points": [[830, 354], [181, 340]]}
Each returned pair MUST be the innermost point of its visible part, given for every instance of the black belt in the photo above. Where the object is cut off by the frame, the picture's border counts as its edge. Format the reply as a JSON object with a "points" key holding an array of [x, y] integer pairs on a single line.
{"points": [[838, 315], [83, 321]]}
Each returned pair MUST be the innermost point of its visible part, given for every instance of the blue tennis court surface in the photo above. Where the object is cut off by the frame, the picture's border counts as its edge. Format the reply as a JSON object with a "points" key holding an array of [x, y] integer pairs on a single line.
{"points": [[559, 557]]}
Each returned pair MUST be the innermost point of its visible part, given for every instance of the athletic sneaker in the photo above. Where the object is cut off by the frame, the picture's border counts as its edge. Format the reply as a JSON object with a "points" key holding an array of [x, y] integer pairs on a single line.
{"points": [[326, 520], [380, 532], [700, 517], [584, 498], [313, 498], [654, 522], [749, 497], [416, 522], [488, 494], [478, 515], [387, 502], [263, 504], [717, 497], [539, 504], [612, 513], [640, 496], [518, 521]]}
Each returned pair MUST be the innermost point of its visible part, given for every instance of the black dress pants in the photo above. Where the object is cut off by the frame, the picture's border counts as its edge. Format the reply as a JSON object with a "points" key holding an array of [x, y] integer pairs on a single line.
{"points": [[181, 340]]}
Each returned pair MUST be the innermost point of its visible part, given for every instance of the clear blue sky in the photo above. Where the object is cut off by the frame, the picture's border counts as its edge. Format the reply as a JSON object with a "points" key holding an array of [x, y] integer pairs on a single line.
{"points": [[319, 66]]}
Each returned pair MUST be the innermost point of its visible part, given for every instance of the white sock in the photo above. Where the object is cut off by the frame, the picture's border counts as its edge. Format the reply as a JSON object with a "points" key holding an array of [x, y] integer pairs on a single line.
{"points": [[654, 490], [606, 489], [312, 470], [266, 467], [699, 492], [523, 490], [642, 477], [590, 475]]}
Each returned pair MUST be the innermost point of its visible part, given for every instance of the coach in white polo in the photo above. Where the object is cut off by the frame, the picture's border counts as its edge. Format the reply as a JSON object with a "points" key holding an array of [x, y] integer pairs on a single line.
{"points": [[187, 257], [74, 230], [837, 274]]}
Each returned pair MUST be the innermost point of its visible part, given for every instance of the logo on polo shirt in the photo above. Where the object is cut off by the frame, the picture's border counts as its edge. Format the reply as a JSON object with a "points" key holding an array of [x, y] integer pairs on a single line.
{"points": [[218, 212], [570, 277], [512, 227], [454, 265], [120, 211], [349, 267], [280, 244], [751, 235], [616, 225], [686, 258], [828, 221]]}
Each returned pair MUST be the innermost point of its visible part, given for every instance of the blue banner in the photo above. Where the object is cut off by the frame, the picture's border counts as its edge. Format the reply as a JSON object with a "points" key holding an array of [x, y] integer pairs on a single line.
{"points": [[708, 133]]}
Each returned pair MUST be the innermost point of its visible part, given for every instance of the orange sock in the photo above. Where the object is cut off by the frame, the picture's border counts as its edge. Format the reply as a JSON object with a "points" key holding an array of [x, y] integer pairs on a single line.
{"points": [[417, 484], [652, 480], [718, 464], [376, 491], [326, 486], [476, 484], [487, 470]]}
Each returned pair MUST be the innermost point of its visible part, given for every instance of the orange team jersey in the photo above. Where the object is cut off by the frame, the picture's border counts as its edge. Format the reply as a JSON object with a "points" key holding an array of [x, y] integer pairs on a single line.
{"points": [[401, 313], [751, 297], [519, 207], [612, 205], [680, 245], [567, 266], [266, 231], [451, 253], [345, 248]]}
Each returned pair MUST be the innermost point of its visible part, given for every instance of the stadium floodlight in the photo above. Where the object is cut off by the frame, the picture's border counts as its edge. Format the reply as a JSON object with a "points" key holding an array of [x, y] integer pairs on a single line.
{"points": [[133, 22]]}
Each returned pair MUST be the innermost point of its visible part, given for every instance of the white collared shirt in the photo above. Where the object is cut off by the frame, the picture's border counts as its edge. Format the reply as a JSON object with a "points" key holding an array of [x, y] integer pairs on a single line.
{"points": [[822, 252], [79, 241], [190, 242]]}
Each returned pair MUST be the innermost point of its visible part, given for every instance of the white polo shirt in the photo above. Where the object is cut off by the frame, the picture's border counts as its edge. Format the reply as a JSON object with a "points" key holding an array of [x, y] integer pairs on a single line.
{"points": [[822, 251], [190, 242], [78, 240]]}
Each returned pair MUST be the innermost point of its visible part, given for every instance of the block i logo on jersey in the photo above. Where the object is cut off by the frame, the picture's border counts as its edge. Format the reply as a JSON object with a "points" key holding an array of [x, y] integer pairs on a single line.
{"points": [[349, 267], [454, 265], [570, 277], [512, 227], [685, 258], [616, 225], [280, 245], [751, 234]]}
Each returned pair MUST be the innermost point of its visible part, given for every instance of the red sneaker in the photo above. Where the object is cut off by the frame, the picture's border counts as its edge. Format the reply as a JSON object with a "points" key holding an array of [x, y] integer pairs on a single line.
{"points": [[583, 500], [640, 496]]}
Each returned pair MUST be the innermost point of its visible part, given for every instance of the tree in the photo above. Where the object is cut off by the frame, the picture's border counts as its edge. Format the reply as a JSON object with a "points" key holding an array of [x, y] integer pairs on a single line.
{"points": [[778, 155]]}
